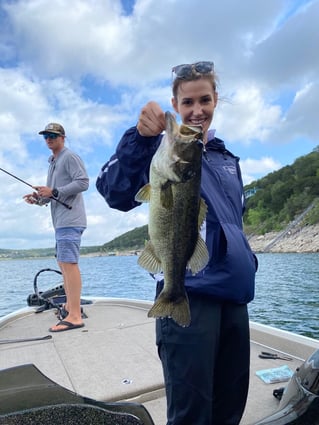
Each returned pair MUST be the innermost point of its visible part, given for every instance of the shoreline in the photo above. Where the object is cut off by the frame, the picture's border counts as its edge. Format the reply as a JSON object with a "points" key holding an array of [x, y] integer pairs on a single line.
{"points": [[300, 239]]}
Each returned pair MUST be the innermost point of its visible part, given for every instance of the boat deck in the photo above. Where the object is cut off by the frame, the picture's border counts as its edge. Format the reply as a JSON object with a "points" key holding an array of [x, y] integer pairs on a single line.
{"points": [[114, 356]]}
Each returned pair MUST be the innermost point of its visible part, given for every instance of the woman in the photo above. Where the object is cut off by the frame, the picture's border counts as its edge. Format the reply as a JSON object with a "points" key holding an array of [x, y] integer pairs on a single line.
{"points": [[205, 365]]}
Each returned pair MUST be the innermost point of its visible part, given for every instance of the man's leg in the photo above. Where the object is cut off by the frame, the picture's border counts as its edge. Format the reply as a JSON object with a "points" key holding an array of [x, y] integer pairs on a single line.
{"points": [[68, 251], [73, 286]]}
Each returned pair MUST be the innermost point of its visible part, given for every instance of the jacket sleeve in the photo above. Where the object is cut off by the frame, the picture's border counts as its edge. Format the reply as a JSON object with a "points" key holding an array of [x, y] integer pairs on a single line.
{"points": [[127, 170]]}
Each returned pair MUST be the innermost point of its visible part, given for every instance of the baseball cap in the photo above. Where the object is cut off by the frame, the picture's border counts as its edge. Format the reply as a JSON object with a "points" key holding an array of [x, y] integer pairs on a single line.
{"points": [[53, 127]]}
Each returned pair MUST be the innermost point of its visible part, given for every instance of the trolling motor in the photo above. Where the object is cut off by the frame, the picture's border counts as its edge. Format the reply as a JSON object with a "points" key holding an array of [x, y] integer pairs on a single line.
{"points": [[299, 404], [47, 299], [52, 298]]}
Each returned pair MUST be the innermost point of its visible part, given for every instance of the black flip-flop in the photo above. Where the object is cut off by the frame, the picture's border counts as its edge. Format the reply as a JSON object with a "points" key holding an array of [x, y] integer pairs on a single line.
{"points": [[68, 326]]}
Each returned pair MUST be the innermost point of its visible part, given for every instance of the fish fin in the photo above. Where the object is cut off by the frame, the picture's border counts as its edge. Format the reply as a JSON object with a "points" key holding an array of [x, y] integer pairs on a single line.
{"points": [[202, 212], [148, 259], [144, 194], [200, 256], [167, 196], [178, 310]]}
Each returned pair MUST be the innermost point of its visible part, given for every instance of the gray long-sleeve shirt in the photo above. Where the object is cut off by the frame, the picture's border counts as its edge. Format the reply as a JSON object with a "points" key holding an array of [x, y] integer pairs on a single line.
{"points": [[67, 174]]}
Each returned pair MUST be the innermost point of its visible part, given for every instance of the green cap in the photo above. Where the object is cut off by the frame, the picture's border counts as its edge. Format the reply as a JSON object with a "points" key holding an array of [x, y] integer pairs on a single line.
{"points": [[55, 128]]}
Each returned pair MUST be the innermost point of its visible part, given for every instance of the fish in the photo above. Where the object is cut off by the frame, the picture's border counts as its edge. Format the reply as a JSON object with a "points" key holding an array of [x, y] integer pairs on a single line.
{"points": [[176, 214]]}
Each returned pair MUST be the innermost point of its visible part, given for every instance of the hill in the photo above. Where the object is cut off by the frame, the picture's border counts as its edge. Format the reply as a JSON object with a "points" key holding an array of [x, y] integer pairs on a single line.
{"points": [[280, 197], [16, 254], [134, 240]]}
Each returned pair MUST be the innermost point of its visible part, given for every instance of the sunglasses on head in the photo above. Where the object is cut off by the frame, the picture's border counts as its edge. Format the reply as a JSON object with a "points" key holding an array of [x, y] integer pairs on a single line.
{"points": [[51, 136], [186, 70]]}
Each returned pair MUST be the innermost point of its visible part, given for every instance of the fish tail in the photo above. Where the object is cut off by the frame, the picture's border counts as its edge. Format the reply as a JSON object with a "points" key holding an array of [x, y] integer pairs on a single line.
{"points": [[177, 309]]}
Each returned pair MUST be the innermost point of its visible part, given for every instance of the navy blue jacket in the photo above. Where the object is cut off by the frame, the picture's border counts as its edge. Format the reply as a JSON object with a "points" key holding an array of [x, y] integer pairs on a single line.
{"points": [[230, 273]]}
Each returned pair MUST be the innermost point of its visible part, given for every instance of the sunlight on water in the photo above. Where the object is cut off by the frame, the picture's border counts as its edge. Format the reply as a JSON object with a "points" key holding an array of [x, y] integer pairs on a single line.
{"points": [[287, 286]]}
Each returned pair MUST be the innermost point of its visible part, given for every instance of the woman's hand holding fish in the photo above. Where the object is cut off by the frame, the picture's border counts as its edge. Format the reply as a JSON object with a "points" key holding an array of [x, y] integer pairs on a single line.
{"points": [[151, 120]]}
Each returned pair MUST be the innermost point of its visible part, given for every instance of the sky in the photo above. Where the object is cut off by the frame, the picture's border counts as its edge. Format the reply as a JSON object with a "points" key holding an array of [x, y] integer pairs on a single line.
{"points": [[92, 64]]}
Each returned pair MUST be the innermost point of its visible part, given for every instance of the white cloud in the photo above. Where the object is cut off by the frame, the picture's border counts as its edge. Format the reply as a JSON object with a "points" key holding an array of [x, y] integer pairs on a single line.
{"points": [[246, 116], [286, 57], [252, 167], [108, 43], [301, 119]]}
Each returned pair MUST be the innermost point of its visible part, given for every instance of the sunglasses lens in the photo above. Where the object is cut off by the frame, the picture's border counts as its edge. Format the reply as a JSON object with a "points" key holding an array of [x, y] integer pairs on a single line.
{"points": [[185, 71], [204, 67], [50, 136], [182, 71]]}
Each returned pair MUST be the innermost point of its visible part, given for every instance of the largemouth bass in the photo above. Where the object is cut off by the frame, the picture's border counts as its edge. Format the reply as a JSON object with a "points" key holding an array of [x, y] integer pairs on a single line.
{"points": [[176, 214]]}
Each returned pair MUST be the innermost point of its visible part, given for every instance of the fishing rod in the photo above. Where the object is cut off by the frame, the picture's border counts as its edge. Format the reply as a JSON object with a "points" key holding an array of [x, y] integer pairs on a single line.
{"points": [[13, 341], [28, 184]]}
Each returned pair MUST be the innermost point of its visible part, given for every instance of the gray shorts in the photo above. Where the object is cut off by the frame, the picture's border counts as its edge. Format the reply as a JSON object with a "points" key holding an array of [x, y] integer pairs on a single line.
{"points": [[68, 241]]}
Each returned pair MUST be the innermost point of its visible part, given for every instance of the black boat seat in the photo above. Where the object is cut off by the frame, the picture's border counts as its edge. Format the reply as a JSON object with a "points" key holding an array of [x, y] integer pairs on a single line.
{"points": [[29, 397]]}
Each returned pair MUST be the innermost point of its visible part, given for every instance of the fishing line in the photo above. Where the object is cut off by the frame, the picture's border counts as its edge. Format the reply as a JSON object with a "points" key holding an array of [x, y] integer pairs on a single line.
{"points": [[28, 184]]}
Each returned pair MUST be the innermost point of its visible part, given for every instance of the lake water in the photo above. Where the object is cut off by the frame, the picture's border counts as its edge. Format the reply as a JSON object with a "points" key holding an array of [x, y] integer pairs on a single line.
{"points": [[287, 286]]}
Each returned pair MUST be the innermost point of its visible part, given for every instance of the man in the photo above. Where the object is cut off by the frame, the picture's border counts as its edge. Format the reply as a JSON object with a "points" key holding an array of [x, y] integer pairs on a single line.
{"points": [[67, 179]]}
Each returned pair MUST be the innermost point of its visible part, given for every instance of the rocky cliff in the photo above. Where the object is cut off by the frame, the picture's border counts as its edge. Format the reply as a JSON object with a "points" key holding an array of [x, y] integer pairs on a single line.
{"points": [[296, 239]]}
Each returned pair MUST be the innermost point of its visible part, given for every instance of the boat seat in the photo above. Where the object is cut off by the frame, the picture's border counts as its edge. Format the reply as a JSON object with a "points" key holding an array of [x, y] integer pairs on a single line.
{"points": [[28, 396]]}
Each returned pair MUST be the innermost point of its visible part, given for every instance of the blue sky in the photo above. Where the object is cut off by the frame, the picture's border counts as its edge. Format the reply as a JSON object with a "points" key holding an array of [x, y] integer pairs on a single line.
{"points": [[92, 64]]}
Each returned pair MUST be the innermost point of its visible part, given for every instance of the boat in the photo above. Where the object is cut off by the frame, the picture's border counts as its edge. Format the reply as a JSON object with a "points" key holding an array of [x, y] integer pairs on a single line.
{"points": [[111, 367]]}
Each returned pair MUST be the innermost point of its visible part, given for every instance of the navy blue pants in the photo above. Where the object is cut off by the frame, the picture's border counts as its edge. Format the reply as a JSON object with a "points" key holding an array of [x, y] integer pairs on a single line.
{"points": [[206, 365]]}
